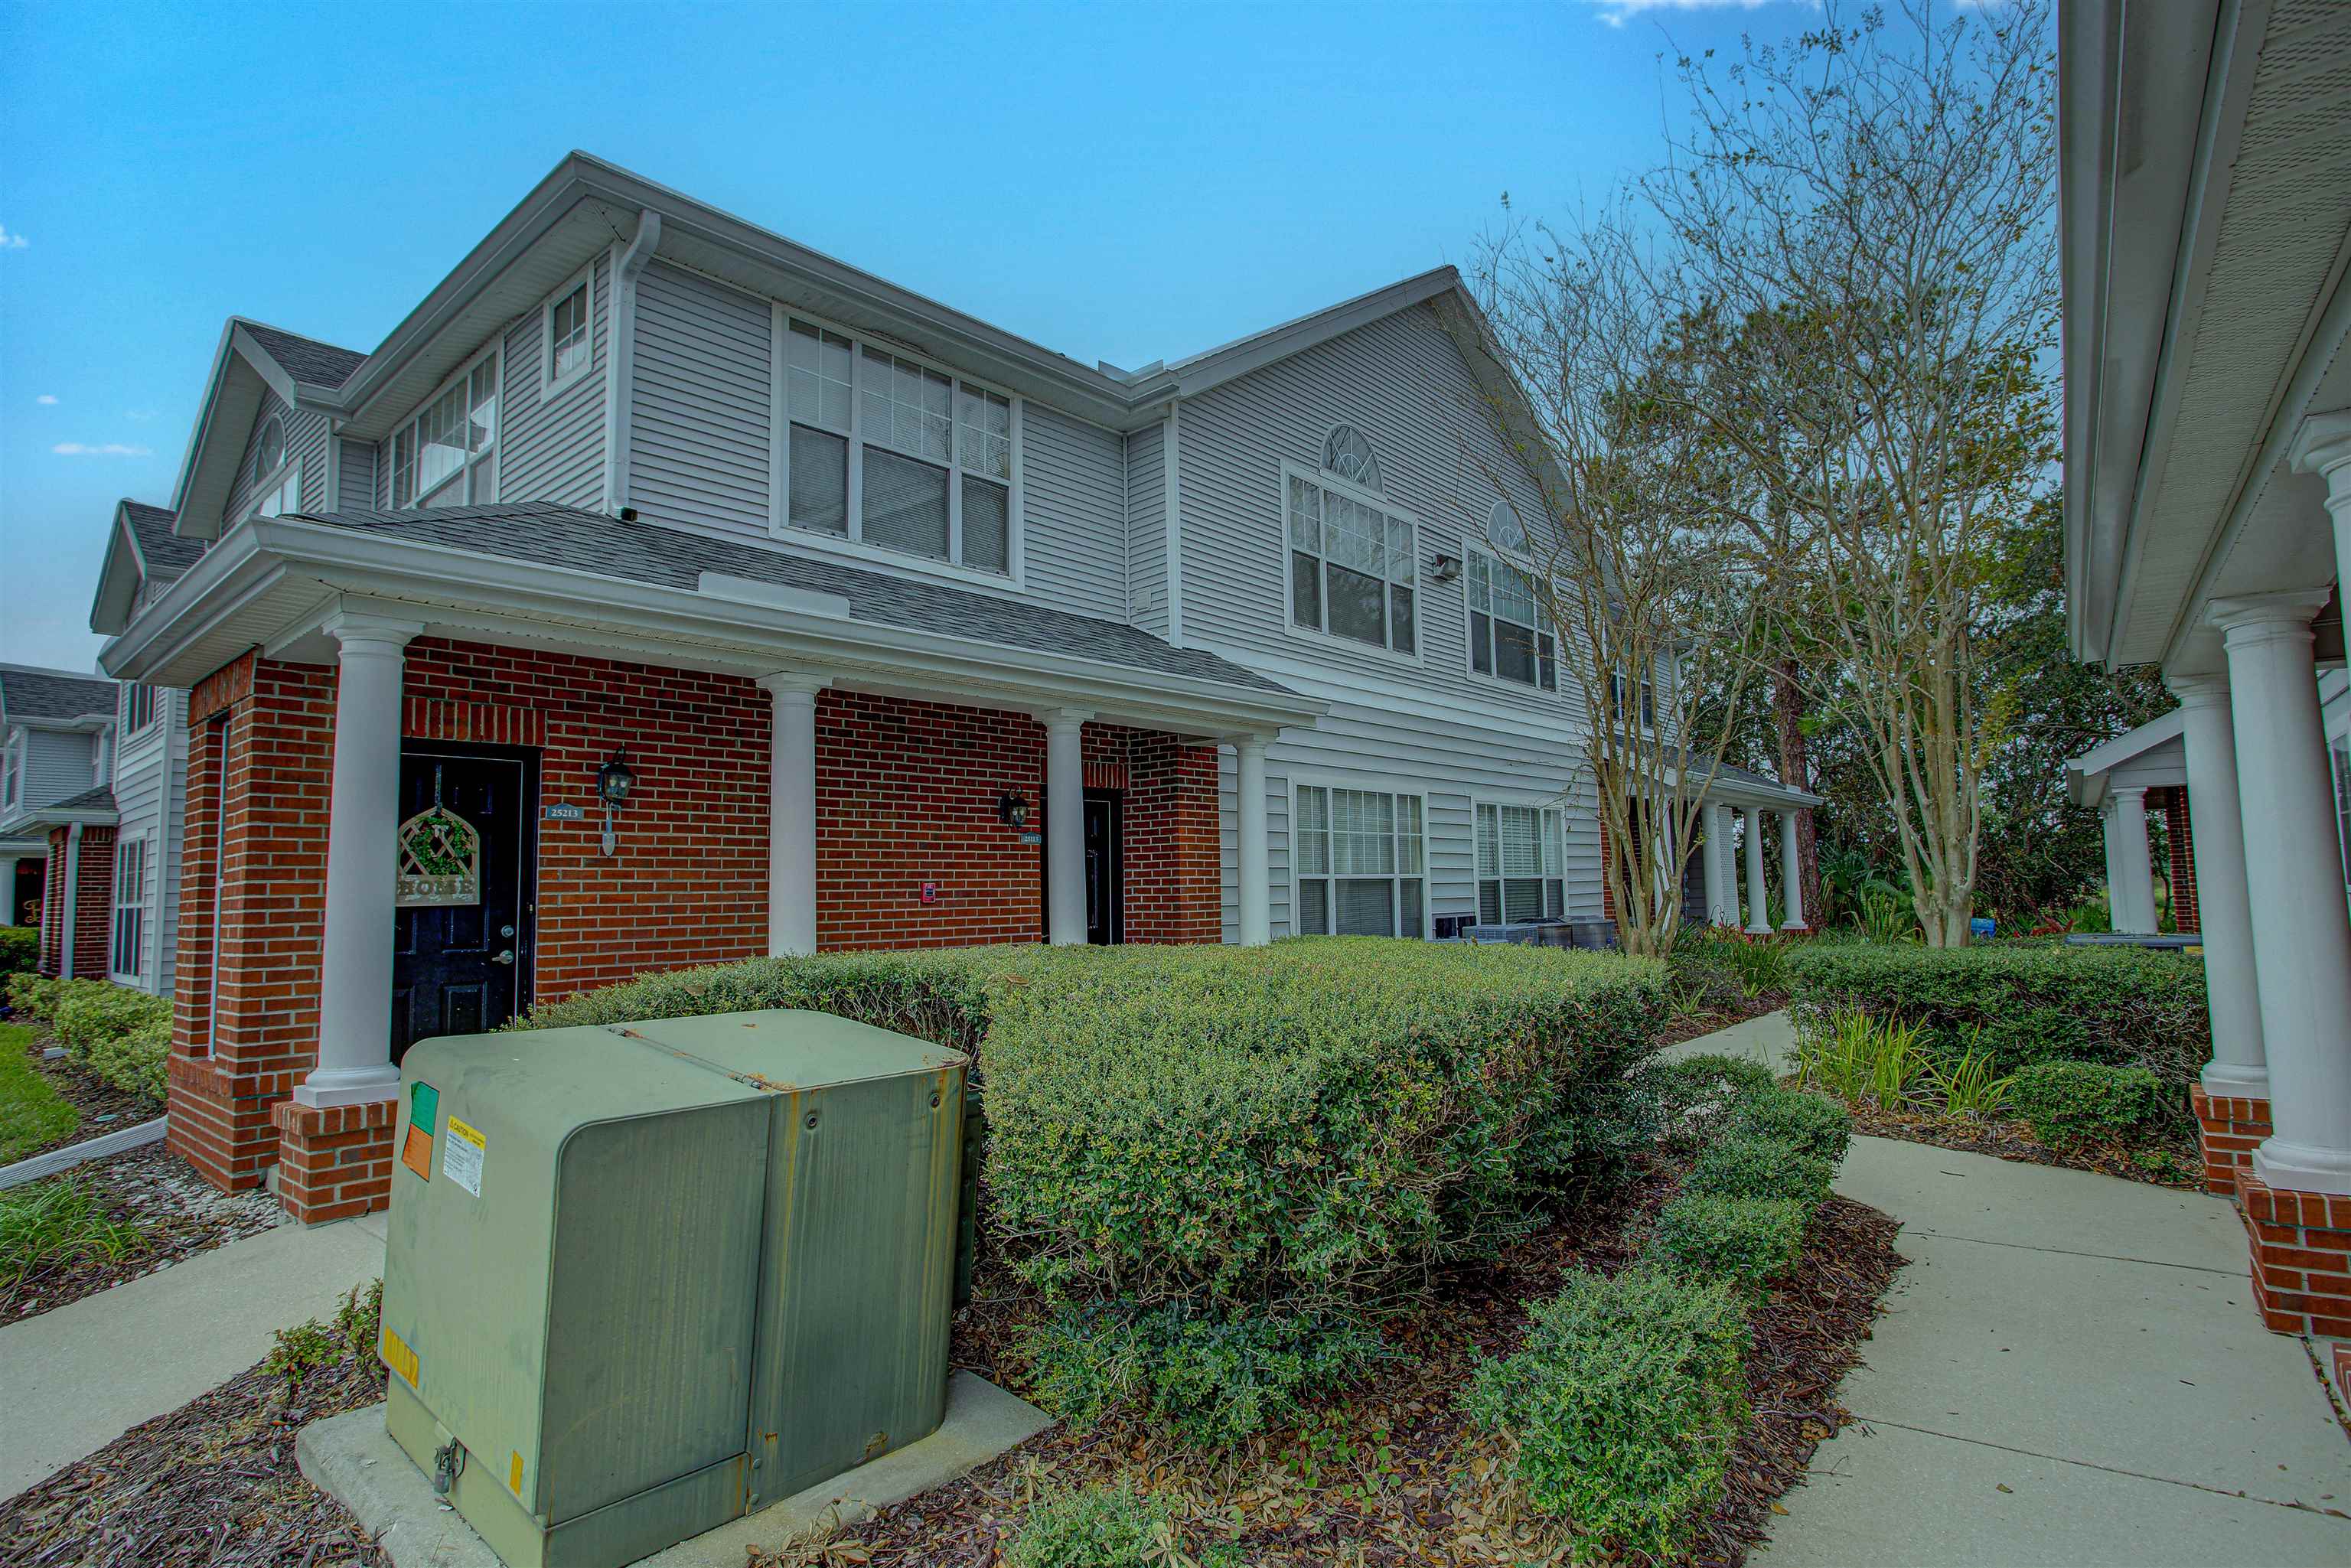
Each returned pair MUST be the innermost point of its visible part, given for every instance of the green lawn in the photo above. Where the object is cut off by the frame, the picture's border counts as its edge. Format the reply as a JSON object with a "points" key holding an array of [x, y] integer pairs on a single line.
{"points": [[31, 1112]]}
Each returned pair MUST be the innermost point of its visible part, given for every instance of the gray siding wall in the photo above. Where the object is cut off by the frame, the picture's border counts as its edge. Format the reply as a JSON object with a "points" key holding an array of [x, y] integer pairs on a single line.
{"points": [[1146, 530], [151, 787], [1453, 766], [305, 437], [698, 421], [551, 449], [1403, 383], [58, 763], [1073, 525], [358, 458]]}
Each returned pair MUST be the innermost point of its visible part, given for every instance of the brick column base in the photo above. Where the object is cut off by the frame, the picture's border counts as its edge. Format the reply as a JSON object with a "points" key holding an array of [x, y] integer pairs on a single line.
{"points": [[334, 1162], [2227, 1129], [2302, 1258]]}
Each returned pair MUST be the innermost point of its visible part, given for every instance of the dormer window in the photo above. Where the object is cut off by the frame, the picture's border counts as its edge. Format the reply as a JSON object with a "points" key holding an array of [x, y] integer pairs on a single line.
{"points": [[275, 470], [1348, 454], [570, 335], [445, 456], [270, 448]]}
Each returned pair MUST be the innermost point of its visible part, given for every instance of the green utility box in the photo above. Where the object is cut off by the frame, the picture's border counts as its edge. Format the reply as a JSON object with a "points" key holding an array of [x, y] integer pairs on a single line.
{"points": [[645, 1278]]}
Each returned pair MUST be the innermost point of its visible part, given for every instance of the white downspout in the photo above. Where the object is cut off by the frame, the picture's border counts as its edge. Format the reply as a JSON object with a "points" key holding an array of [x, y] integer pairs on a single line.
{"points": [[621, 356]]}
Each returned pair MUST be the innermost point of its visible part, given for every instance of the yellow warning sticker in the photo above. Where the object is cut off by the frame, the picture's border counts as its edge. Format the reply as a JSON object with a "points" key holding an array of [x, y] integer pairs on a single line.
{"points": [[463, 1150], [513, 1475], [399, 1357]]}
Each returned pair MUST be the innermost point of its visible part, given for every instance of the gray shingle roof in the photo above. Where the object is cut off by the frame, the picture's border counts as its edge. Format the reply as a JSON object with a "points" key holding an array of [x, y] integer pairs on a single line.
{"points": [[640, 553], [99, 800], [306, 359], [53, 694], [1726, 774], [167, 554]]}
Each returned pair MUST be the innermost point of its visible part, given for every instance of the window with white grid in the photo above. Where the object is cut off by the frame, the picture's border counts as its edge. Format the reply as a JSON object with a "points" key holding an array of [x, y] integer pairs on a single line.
{"points": [[445, 455], [1351, 566], [1522, 863], [890, 453], [1509, 639], [129, 906], [1358, 864]]}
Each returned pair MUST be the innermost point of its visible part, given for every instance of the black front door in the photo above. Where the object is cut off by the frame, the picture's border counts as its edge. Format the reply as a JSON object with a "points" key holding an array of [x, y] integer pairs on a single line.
{"points": [[461, 939], [1105, 870]]}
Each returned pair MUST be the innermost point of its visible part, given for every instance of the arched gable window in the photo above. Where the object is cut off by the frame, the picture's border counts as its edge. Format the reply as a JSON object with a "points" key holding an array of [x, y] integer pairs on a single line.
{"points": [[1348, 455], [270, 450], [1503, 529]]}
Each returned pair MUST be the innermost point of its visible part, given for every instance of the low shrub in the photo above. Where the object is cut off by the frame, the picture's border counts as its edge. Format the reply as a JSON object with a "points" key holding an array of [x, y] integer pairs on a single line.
{"points": [[1106, 1526], [1812, 1123], [34, 997], [1214, 1381], [2021, 1005], [20, 949], [2075, 1104], [1681, 1103], [1623, 1404], [1748, 1242], [1747, 1166], [48, 1223], [350, 1335], [121, 1035]]}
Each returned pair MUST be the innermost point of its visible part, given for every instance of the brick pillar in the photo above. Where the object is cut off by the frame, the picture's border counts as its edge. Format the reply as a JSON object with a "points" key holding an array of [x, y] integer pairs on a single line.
{"points": [[94, 905], [2228, 1128], [2184, 916], [333, 1161], [52, 918], [2302, 1258]]}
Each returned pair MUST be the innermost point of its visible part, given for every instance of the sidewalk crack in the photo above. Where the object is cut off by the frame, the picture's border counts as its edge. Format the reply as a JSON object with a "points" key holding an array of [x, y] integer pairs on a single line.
{"points": [[2075, 1252]]}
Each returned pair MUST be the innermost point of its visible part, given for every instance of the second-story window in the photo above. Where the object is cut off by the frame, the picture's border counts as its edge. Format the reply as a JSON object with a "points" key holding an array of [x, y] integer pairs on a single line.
{"points": [[8, 781], [138, 708], [445, 455], [888, 452], [1508, 637], [570, 327], [1351, 567]]}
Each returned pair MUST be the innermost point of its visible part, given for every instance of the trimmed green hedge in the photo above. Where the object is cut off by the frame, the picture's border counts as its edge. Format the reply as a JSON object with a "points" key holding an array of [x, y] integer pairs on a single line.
{"points": [[20, 950], [1236, 1151], [1624, 1404], [2075, 1104], [2119, 1006], [121, 1035]]}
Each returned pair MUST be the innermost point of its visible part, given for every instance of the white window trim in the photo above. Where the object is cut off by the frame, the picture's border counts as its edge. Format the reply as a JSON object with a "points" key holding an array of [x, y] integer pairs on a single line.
{"points": [[1372, 786], [290, 469], [1469, 640], [155, 705], [1322, 477], [1477, 879], [143, 904], [548, 386], [1333, 429], [852, 547], [388, 468]]}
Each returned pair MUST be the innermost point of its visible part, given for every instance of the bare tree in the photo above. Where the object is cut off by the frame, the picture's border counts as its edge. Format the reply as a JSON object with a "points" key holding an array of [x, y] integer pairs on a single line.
{"points": [[1862, 218], [1628, 561]]}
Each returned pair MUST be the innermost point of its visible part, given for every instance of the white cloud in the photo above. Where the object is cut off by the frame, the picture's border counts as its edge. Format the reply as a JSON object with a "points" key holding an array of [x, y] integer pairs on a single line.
{"points": [[141, 415], [1616, 12], [46, 400], [11, 240], [105, 449]]}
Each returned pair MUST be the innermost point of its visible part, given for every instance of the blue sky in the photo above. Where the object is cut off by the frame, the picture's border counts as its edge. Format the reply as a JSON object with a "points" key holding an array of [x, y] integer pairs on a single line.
{"points": [[1122, 183]]}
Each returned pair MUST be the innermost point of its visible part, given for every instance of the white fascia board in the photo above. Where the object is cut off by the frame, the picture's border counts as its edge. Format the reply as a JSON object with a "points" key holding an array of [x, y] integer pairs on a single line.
{"points": [[202, 427], [1228, 361], [229, 577], [119, 575], [2131, 742], [66, 817]]}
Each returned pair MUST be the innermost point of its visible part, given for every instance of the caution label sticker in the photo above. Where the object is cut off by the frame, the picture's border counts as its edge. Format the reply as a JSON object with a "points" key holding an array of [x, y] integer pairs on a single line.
{"points": [[462, 1149]]}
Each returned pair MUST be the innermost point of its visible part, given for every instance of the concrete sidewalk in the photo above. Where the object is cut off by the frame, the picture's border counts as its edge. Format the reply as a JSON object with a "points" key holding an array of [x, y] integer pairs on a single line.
{"points": [[75, 1379], [1770, 1040]]}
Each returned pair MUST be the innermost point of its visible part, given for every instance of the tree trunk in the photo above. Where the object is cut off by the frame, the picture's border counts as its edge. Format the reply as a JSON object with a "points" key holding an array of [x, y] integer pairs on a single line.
{"points": [[1796, 772]]}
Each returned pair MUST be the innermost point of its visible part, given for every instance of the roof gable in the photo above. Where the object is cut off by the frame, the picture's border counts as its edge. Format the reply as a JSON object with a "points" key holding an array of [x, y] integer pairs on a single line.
{"points": [[29, 694]]}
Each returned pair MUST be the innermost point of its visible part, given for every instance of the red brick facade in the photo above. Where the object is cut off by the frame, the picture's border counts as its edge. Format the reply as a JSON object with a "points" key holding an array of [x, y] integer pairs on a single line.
{"points": [[907, 798], [2182, 841], [2302, 1258], [2229, 1129], [93, 903]]}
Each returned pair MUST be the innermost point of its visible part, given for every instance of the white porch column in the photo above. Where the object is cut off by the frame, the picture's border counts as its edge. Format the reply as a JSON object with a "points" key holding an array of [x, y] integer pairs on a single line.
{"points": [[792, 814], [2130, 879], [8, 889], [2216, 828], [1759, 911], [2301, 930], [1710, 850], [69, 906], [1249, 785], [2322, 446], [1065, 826], [362, 858], [1791, 873]]}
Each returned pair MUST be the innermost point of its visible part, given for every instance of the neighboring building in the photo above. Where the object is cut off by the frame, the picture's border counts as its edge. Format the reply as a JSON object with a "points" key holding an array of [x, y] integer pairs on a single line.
{"points": [[57, 813], [2207, 512], [876, 625]]}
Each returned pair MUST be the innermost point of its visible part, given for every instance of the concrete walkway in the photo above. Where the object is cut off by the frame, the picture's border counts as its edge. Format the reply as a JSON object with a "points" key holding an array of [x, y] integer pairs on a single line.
{"points": [[73, 1380], [2069, 1373]]}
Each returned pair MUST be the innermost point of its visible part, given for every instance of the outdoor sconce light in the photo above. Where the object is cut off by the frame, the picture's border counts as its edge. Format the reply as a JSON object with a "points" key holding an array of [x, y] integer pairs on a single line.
{"points": [[1012, 810], [614, 780], [1444, 569]]}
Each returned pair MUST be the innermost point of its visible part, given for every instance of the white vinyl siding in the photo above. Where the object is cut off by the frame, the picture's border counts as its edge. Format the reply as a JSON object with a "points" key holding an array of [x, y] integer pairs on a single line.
{"points": [[1522, 863], [1146, 528], [552, 447], [1359, 862]]}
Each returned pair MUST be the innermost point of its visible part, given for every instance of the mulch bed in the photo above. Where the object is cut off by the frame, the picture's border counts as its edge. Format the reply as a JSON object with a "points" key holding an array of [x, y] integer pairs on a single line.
{"points": [[213, 1482], [1393, 1474], [104, 1108], [2184, 1170], [178, 1214]]}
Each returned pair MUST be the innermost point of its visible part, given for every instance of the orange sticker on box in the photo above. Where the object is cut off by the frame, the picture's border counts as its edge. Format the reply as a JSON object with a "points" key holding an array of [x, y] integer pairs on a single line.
{"points": [[416, 1151], [399, 1357]]}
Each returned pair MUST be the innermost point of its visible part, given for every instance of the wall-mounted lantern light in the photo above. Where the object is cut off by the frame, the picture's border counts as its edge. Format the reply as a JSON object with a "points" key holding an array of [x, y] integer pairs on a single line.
{"points": [[614, 782], [1012, 810], [1444, 569]]}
